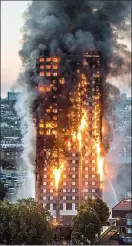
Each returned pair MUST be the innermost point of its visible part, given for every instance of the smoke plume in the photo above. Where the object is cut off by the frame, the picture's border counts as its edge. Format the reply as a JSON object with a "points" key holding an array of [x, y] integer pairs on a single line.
{"points": [[73, 27]]}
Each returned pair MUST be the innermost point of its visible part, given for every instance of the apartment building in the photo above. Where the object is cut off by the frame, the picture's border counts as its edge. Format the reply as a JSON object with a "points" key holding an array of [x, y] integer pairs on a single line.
{"points": [[68, 133]]}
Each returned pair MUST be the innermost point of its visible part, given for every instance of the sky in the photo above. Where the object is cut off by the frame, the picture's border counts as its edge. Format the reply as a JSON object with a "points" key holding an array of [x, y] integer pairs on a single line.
{"points": [[11, 23]]}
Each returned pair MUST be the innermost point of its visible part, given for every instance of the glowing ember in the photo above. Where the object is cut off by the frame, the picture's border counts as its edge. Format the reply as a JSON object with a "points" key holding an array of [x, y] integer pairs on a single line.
{"points": [[69, 145], [100, 162], [73, 136], [55, 222], [41, 89]]}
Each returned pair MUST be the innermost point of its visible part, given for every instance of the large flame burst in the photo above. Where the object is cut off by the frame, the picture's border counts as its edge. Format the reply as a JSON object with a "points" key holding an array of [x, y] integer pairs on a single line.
{"points": [[82, 127], [100, 159], [57, 172], [78, 132]]}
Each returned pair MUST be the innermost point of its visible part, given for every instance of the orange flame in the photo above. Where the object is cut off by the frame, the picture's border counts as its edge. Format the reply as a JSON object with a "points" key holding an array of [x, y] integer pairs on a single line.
{"points": [[82, 127], [73, 136], [41, 88], [69, 145], [55, 222], [57, 175]]}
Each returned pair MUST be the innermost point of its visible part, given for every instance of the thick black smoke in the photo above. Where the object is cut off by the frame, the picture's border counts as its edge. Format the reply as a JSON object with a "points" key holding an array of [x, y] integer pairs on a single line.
{"points": [[78, 26], [72, 27]]}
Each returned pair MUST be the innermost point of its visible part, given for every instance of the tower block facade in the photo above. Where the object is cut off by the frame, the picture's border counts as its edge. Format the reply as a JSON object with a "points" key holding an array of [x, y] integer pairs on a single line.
{"points": [[68, 122]]}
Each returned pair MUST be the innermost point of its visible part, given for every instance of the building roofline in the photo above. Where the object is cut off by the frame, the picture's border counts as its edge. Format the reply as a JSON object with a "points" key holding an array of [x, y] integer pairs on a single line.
{"points": [[114, 208]]}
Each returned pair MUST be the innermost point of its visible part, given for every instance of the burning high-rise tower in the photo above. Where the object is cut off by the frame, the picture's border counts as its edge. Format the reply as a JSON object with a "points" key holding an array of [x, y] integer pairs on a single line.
{"points": [[65, 99], [69, 167]]}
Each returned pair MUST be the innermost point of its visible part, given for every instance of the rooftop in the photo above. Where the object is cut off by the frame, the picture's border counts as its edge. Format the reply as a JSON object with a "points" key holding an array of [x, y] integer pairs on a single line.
{"points": [[124, 205]]}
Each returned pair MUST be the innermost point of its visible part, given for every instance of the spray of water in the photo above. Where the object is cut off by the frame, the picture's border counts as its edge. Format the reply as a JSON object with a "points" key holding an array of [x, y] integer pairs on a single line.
{"points": [[113, 190], [109, 192], [27, 189]]}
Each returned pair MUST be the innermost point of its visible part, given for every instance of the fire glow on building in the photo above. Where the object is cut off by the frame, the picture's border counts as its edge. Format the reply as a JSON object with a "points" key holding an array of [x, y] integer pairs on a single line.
{"points": [[69, 162]]}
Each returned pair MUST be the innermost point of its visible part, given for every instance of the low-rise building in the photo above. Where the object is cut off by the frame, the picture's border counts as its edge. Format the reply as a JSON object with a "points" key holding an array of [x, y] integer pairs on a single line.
{"points": [[122, 212], [129, 227]]}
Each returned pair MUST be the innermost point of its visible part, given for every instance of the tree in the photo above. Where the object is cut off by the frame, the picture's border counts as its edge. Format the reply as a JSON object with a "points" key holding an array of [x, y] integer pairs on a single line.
{"points": [[100, 207], [25, 222], [5, 218], [3, 191], [86, 225]]}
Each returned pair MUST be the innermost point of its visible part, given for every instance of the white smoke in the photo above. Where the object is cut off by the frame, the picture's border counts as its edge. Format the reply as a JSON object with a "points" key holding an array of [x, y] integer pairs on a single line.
{"points": [[29, 143]]}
